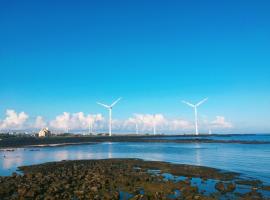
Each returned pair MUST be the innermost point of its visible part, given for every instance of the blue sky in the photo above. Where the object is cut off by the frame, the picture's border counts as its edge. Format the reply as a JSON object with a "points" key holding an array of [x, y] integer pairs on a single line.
{"points": [[63, 56]]}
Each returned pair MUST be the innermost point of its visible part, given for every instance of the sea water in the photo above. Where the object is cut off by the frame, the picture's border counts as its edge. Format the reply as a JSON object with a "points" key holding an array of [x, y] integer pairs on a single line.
{"points": [[251, 160]]}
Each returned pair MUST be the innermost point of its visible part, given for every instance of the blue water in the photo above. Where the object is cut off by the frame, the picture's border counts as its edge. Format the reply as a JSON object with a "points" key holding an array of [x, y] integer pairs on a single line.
{"points": [[236, 137], [252, 160]]}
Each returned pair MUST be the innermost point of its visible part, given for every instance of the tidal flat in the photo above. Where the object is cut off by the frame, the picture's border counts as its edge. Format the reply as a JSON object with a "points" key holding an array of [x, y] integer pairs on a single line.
{"points": [[127, 179]]}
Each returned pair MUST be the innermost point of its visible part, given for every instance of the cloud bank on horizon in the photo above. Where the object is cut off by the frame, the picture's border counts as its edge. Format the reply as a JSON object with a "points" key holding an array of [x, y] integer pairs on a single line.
{"points": [[80, 122]]}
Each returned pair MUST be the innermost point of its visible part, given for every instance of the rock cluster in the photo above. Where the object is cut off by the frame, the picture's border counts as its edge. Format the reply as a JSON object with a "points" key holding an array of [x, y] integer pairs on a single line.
{"points": [[100, 180], [225, 188]]}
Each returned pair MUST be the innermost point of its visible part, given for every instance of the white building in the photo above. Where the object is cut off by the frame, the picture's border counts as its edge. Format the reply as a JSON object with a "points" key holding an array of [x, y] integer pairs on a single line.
{"points": [[44, 132]]}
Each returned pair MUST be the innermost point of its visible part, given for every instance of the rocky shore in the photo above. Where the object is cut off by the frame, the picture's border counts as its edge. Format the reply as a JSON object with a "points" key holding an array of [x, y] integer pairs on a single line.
{"points": [[124, 179], [15, 142]]}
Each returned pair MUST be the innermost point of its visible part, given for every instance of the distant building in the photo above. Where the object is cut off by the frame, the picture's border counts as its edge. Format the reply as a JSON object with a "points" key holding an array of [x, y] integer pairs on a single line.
{"points": [[44, 132]]}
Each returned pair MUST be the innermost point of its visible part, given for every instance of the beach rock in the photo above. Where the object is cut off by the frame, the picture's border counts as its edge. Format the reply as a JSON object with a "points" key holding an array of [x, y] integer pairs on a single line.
{"points": [[104, 179], [14, 175], [21, 191], [94, 189], [266, 187], [137, 197], [79, 194], [30, 194], [253, 195], [231, 187], [220, 187]]}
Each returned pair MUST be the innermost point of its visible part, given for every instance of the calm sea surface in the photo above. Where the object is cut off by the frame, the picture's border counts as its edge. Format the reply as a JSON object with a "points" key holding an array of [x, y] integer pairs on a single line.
{"points": [[251, 160], [236, 137]]}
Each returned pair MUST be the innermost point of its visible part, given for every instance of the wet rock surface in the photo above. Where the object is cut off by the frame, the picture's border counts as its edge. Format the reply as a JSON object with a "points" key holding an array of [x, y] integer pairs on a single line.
{"points": [[116, 179]]}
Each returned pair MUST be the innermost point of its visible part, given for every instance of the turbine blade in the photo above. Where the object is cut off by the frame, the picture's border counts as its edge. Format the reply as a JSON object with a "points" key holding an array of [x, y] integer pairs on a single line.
{"points": [[104, 105], [189, 104], [116, 102], [202, 101]]}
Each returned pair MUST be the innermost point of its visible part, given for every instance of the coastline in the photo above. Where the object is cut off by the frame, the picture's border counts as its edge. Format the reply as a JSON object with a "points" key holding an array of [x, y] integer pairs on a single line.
{"points": [[75, 140]]}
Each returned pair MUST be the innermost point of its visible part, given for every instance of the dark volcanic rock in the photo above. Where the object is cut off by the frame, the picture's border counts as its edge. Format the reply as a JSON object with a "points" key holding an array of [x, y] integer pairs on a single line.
{"points": [[106, 179], [230, 187], [224, 188]]}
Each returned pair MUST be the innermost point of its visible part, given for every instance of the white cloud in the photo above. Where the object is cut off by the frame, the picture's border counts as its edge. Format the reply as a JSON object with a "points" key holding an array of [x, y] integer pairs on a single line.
{"points": [[180, 124], [145, 123], [74, 121], [221, 123], [39, 123], [14, 120], [80, 121]]}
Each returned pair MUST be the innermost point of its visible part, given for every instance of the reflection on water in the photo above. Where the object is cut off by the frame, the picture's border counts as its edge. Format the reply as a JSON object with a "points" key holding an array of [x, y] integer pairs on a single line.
{"points": [[110, 150], [198, 154], [63, 155], [8, 162], [252, 160]]}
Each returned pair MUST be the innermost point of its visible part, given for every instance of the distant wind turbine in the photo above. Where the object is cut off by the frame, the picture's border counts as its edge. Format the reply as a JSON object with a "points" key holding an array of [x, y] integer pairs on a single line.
{"points": [[110, 113], [90, 128], [195, 110], [137, 128], [154, 124]]}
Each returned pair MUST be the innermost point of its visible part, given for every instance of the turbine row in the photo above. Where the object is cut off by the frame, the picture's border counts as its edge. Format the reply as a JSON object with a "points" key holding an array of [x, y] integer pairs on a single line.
{"points": [[109, 107]]}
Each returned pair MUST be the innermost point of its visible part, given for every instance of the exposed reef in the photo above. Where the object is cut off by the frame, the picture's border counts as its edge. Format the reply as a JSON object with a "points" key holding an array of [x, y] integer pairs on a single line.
{"points": [[124, 179]]}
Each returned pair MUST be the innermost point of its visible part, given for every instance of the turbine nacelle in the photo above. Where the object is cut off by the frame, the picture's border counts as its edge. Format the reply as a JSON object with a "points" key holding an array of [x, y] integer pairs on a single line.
{"points": [[195, 105], [109, 106]]}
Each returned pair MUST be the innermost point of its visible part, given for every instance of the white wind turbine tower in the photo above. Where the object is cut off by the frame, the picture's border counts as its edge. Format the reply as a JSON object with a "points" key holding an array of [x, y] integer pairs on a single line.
{"points": [[137, 128], [154, 124], [195, 111], [90, 128], [110, 113]]}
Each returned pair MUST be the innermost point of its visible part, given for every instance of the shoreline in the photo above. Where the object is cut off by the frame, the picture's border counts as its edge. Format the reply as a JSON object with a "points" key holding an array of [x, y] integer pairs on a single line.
{"points": [[21, 142], [134, 178], [59, 144]]}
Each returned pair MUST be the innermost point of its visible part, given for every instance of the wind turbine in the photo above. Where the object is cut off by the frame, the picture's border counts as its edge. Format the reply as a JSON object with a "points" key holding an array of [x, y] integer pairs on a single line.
{"points": [[110, 113], [195, 111], [137, 128], [90, 128], [154, 124]]}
